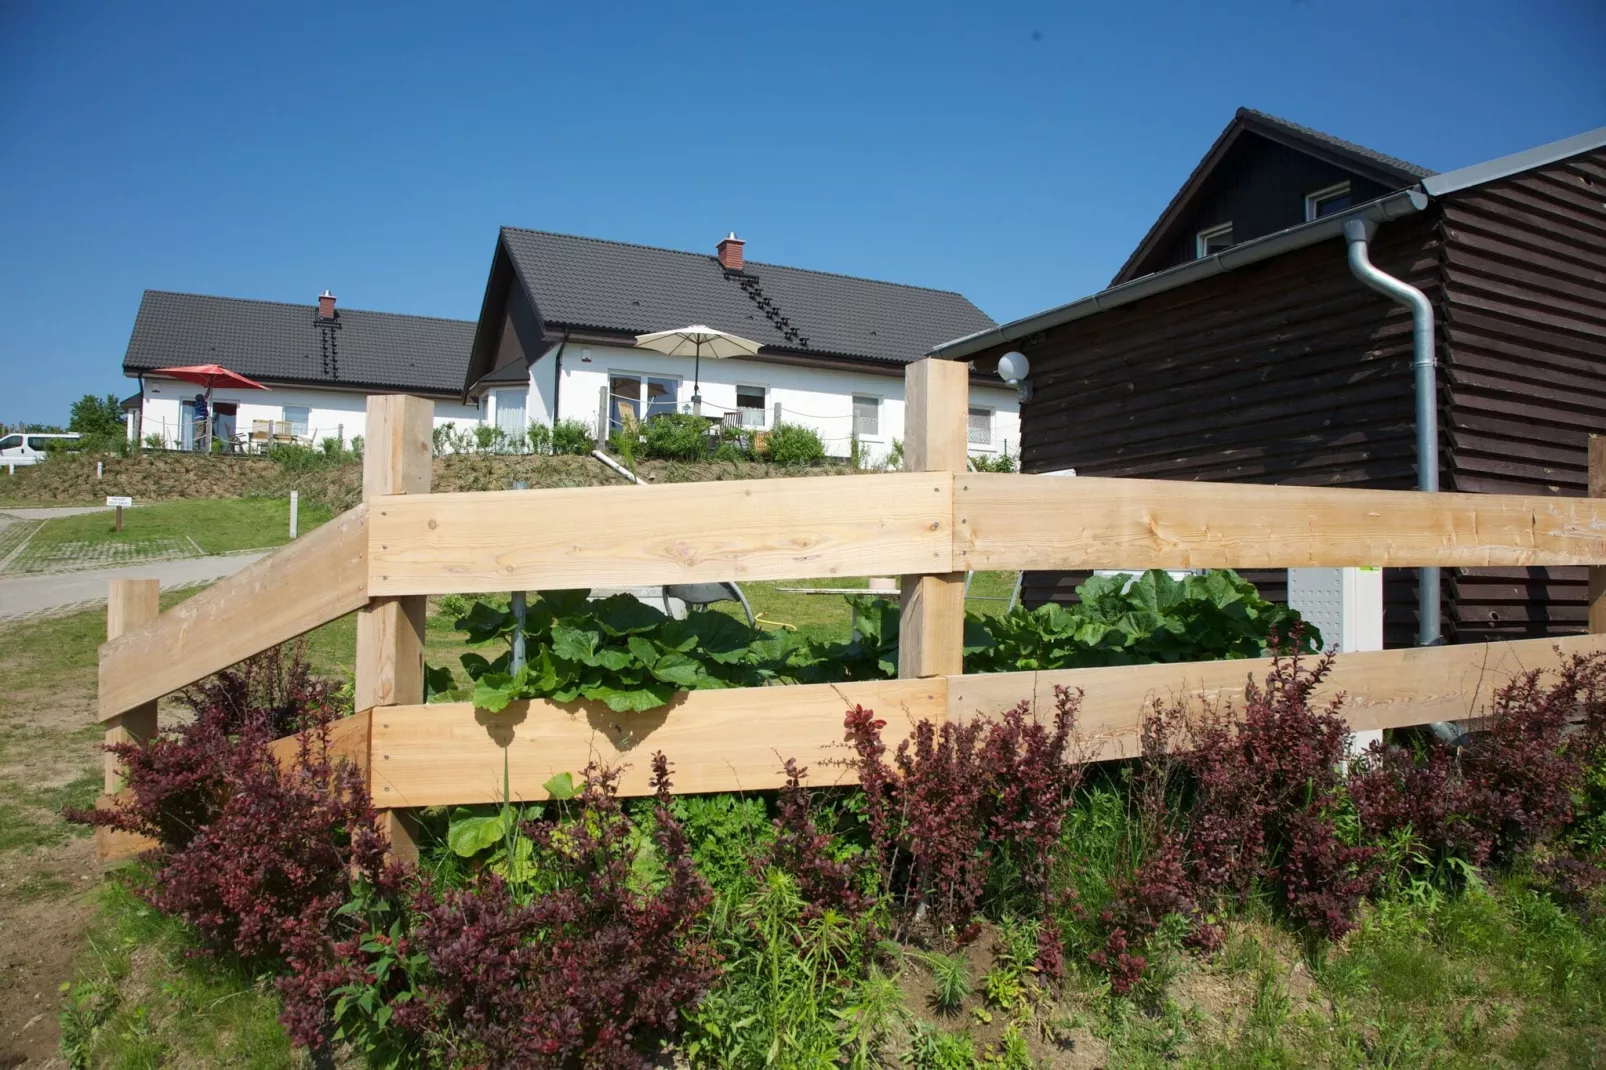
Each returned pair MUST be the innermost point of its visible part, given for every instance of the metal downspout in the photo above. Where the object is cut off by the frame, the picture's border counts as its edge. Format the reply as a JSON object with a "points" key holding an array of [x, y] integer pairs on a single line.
{"points": [[1424, 362]]}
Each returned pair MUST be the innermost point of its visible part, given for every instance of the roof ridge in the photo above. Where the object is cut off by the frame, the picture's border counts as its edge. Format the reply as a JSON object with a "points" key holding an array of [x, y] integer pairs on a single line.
{"points": [[714, 259], [1353, 146], [295, 304]]}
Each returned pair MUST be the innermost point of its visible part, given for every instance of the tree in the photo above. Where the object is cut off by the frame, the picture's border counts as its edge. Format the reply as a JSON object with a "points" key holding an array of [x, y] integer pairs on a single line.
{"points": [[97, 416]]}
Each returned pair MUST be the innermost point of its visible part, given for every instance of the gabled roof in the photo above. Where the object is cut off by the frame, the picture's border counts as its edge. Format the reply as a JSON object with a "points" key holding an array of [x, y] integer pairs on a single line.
{"points": [[277, 342], [1369, 163], [615, 287], [1399, 204]]}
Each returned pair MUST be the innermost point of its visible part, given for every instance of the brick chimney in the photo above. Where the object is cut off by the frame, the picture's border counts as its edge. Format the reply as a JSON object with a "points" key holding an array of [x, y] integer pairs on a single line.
{"points": [[730, 253], [326, 302]]}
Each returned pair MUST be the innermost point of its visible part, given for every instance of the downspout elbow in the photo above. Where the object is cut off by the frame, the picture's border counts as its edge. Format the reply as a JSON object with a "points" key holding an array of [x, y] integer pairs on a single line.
{"points": [[1424, 364]]}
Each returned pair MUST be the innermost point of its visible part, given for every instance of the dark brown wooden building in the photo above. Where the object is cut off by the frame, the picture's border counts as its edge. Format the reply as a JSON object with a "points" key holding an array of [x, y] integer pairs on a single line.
{"points": [[1266, 360]]}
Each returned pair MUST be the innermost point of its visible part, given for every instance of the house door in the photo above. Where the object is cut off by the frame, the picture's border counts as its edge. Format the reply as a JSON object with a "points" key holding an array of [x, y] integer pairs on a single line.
{"points": [[510, 414], [186, 425], [223, 421]]}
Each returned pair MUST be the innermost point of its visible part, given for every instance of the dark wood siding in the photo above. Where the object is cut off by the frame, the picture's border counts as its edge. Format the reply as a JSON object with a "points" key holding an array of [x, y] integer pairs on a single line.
{"points": [[1525, 318], [1288, 371], [1260, 187]]}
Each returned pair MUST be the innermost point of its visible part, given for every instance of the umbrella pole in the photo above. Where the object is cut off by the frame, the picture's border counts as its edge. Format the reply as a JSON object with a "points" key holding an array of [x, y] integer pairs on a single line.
{"points": [[697, 382], [209, 419]]}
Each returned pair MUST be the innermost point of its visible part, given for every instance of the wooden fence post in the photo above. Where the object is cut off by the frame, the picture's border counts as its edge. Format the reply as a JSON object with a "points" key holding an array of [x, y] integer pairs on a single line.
{"points": [[129, 604], [931, 636], [390, 631], [1597, 573]]}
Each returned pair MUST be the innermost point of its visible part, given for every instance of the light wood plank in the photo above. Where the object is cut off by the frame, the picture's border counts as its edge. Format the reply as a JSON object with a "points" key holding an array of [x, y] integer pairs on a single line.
{"points": [[349, 741], [319, 577], [390, 631], [681, 533], [931, 638], [1597, 573], [734, 740], [130, 604], [1382, 689], [1022, 521]]}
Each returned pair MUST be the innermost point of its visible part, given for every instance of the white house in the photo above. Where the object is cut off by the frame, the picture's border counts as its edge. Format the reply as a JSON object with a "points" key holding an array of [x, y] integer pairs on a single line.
{"points": [[320, 364], [557, 327]]}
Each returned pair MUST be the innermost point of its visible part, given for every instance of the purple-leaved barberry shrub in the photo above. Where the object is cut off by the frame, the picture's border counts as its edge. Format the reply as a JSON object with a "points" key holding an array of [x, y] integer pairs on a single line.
{"points": [[958, 801], [591, 971]]}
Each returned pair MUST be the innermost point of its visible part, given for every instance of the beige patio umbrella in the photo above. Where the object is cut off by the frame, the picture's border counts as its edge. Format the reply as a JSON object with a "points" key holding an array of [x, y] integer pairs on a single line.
{"points": [[699, 341]]}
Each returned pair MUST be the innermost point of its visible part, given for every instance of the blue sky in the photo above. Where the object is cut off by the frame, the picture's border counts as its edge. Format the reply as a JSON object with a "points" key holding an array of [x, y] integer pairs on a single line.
{"points": [[1014, 152]]}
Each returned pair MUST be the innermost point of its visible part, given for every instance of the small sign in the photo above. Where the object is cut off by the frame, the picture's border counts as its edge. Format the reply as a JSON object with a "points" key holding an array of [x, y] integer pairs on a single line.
{"points": [[118, 502]]}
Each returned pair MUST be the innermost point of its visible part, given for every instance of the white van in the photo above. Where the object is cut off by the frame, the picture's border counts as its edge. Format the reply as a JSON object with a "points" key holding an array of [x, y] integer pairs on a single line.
{"points": [[28, 448]]}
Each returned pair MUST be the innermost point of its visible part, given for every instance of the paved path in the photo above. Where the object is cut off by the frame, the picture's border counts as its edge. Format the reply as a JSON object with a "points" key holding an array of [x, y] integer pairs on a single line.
{"points": [[48, 512], [28, 596]]}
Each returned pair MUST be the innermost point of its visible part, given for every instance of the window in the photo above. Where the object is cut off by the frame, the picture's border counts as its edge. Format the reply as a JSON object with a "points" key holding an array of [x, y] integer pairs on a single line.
{"points": [[981, 427], [1213, 240], [296, 416], [866, 416], [643, 397], [11, 442], [750, 405], [1327, 201]]}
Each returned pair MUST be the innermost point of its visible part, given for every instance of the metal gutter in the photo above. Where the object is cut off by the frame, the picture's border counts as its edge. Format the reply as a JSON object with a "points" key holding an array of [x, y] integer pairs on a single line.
{"points": [[1383, 209], [1516, 163]]}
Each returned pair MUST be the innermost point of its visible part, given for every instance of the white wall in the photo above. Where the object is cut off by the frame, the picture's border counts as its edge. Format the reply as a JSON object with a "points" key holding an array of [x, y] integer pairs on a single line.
{"points": [[331, 413], [821, 398]]}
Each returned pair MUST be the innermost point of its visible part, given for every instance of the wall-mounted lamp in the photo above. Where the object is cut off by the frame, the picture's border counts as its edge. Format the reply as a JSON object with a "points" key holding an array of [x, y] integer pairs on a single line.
{"points": [[1013, 368]]}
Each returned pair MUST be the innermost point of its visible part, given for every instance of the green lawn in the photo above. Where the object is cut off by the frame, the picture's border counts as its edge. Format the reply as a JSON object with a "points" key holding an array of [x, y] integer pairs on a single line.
{"points": [[164, 530]]}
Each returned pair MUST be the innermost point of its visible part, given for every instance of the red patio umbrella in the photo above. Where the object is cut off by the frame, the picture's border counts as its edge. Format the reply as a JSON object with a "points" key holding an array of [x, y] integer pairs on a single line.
{"points": [[209, 376]]}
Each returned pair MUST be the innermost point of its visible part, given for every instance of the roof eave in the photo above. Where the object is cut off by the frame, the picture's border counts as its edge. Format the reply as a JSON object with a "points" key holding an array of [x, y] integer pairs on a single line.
{"points": [[1516, 163], [1391, 206]]}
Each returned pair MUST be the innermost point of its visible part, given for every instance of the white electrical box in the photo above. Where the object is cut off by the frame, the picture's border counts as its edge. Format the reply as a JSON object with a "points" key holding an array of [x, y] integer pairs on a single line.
{"points": [[1347, 605]]}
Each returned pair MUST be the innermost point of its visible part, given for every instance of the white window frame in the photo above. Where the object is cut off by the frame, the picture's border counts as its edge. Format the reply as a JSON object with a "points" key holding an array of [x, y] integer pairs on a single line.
{"points": [[992, 439], [641, 398], [760, 416], [290, 424], [1201, 241], [1314, 199], [880, 416]]}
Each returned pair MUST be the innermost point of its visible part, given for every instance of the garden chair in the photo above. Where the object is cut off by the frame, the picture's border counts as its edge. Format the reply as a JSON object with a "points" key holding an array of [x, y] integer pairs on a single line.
{"points": [[703, 595]]}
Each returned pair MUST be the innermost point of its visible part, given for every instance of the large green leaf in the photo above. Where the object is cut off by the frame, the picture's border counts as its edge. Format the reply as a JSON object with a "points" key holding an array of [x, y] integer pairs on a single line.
{"points": [[468, 835], [631, 700], [566, 603], [493, 692], [484, 622], [624, 614], [574, 643]]}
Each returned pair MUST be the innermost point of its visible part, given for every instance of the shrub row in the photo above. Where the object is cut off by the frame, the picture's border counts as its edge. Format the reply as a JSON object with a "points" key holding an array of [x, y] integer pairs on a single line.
{"points": [[590, 931]]}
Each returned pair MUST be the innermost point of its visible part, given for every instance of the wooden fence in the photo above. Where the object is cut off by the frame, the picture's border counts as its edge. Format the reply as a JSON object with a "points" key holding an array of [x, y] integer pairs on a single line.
{"points": [[931, 524]]}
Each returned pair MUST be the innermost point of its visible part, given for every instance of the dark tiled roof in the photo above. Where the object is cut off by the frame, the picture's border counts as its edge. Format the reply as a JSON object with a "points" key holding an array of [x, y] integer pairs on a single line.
{"points": [[1391, 162], [613, 286], [281, 342]]}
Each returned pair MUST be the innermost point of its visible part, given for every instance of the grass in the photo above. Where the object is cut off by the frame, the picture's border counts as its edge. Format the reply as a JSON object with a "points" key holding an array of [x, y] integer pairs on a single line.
{"points": [[141, 1000], [169, 529]]}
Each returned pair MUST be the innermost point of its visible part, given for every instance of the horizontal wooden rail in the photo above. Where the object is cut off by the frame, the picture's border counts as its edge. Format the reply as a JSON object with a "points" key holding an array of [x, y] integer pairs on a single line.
{"points": [[731, 740], [780, 529], [1024, 522], [1381, 688], [319, 577], [737, 740], [765, 529]]}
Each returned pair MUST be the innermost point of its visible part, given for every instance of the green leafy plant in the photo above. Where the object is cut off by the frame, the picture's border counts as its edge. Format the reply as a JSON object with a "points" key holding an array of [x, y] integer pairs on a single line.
{"points": [[872, 652], [675, 436], [616, 650], [793, 444], [1122, 620], [539, 437], [950, 979], [571, 437]]}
